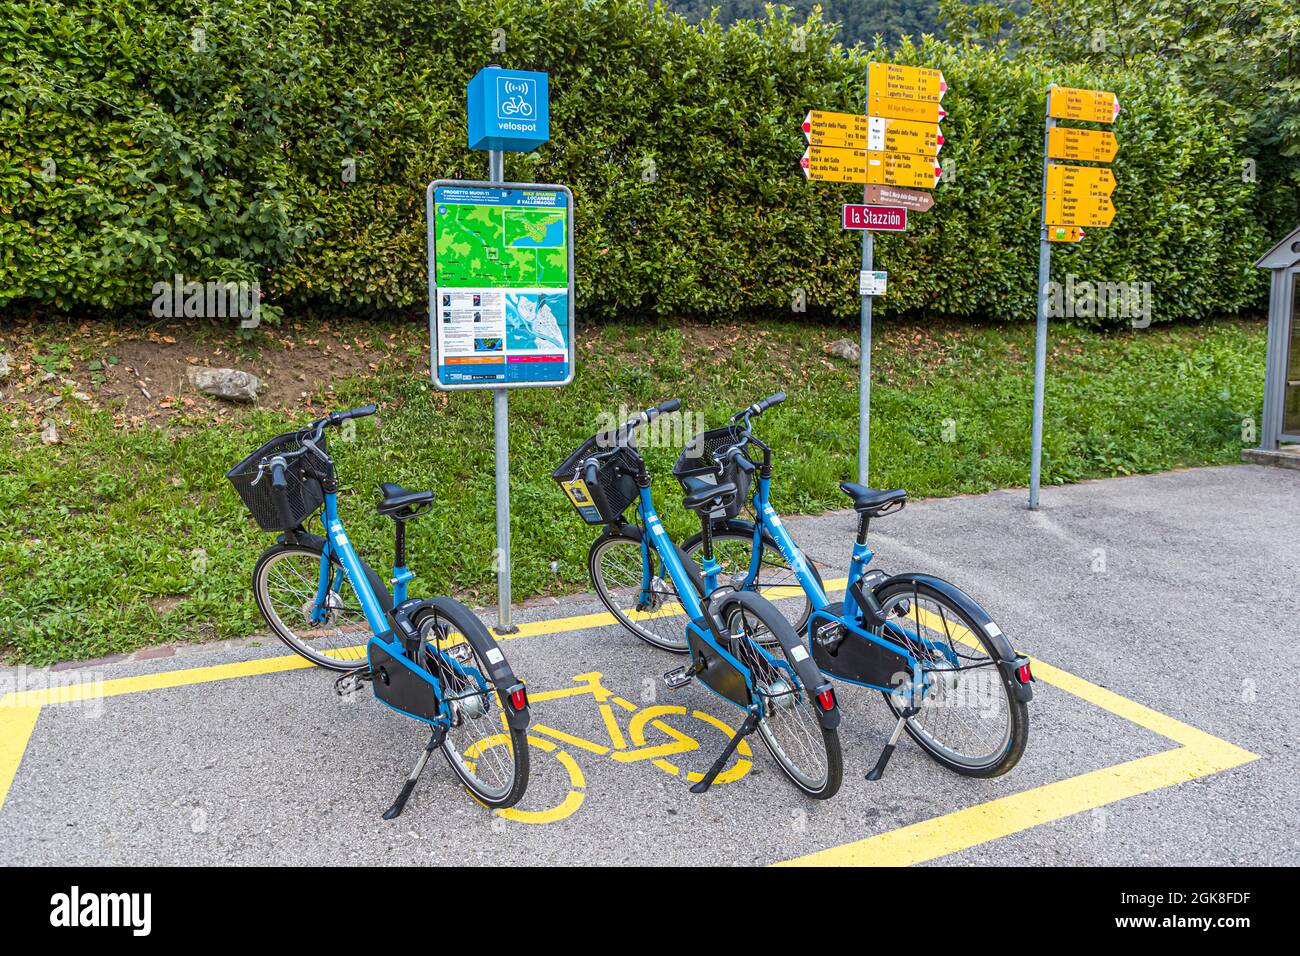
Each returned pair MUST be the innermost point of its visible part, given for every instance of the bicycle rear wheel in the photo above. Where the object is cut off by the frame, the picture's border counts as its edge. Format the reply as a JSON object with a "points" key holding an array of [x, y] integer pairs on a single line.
{"points": [[332, 634], [808, 753], [653, 613], [971, 720], [484, 751]]}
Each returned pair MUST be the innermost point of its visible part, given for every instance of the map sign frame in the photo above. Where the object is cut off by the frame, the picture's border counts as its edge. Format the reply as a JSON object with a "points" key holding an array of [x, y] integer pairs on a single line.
{"points": [[465, 291]]}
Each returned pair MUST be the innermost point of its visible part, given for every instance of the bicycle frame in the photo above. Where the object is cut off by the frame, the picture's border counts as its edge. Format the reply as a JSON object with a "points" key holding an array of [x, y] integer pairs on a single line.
{"points": [[861, 556], [698, 625], [339, 547]]}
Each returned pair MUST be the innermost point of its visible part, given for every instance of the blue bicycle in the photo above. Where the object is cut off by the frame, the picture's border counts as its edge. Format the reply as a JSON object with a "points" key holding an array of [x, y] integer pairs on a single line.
{"points": [[947, 672], [430, 659], [655, 591]]}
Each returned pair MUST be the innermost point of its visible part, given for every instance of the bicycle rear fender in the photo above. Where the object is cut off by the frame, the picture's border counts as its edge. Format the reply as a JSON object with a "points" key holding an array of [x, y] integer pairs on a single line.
{"points": [[1009, 660], [813, 680], [499, 670]]}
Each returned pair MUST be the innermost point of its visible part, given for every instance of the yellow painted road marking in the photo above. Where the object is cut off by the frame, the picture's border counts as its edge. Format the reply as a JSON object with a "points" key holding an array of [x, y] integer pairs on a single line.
{"points": [[16, 726], [1199, 755], [973, 826], [572, 800]]}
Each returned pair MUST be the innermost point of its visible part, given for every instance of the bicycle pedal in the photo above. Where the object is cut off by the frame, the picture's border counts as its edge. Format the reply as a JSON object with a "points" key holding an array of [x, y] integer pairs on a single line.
{"points": [[677, 677], [351, 682]]}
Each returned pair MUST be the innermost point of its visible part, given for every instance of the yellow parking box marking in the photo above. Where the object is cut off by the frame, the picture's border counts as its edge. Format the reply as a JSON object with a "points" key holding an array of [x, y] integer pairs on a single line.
{"points": [[1198, 755], [976, 825], [90, 690], [16, 726]]}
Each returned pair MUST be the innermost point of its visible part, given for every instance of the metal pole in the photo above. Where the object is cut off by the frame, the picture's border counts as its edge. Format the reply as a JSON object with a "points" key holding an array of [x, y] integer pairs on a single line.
{"points": [[1040, 340], [501, 431], [864, 364], [864, 373]]}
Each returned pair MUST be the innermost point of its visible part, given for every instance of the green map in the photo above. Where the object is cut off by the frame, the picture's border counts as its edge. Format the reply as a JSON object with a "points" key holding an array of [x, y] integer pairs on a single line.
{"points": [[498, 246]]}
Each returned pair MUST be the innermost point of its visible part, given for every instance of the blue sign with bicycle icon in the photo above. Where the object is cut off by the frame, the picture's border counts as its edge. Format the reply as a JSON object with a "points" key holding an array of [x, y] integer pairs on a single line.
{"points": [[508, 110]]}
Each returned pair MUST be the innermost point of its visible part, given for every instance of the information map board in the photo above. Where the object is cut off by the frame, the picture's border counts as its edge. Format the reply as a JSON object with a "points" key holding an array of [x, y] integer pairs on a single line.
{"points": [[500, 284]]}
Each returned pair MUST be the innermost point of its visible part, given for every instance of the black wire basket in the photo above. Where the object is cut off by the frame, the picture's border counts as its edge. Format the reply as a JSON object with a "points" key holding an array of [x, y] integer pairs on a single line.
{"points": [[616, 482], [696, 461], [303, 495]]}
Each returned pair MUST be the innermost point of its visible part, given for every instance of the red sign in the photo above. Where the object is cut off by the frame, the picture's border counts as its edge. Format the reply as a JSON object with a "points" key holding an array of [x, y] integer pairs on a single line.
{"points": [[883, 218]]}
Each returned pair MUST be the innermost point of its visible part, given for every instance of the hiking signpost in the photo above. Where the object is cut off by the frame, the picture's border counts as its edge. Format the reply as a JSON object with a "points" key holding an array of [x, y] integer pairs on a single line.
{"points": [[501, 310], [1074, 198], [893, 151]]}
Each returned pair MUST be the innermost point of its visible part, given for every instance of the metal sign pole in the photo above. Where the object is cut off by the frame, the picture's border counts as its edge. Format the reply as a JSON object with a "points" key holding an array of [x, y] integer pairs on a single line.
{"points": [[864, 364], [1040, 341], [864, 372], [501, 430]]}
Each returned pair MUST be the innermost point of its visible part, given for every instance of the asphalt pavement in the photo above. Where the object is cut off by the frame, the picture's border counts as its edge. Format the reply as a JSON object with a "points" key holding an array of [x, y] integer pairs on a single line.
{"points": [[1161, 612]]}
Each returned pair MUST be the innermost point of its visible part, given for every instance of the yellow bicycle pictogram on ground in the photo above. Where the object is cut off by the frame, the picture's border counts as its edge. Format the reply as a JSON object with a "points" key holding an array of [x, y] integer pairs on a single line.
{"points": [[627, 743]]}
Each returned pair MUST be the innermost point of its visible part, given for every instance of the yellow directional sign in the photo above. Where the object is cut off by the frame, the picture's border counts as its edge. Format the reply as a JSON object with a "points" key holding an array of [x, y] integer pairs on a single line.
{"points": [[895, 107], [1079, 195], [901, 169], [872, 166], [1095, 106], [824, 128], [851, 131], [906, 82], [833, 164], [1064, 233], [1086, 145], [904, 136]]}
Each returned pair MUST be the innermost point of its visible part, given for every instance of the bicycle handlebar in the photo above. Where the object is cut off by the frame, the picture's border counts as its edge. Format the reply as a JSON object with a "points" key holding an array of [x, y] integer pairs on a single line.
{"points": [[336, 418], [310, 436], [758, 408], [650, 414]]}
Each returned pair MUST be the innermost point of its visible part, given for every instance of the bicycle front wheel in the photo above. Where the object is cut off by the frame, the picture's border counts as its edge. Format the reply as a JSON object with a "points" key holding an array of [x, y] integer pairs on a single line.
{"points": [[969, 719], [330, 631], [484, 751], [733, 550], [808, 753], [643, 599]]}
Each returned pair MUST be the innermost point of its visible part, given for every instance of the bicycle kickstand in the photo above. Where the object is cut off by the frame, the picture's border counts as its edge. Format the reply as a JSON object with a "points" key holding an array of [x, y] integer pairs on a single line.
{"points": [[435, 741], [747, 728], [878, 771]]}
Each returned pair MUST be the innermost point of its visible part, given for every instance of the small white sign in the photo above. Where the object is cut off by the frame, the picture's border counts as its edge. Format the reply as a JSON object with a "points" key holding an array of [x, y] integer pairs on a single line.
{"points": [[872, 283]]}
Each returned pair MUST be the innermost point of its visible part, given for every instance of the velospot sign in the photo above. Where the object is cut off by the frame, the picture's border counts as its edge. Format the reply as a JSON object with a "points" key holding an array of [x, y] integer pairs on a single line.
{"points": [[501, 274], [508, 110]]}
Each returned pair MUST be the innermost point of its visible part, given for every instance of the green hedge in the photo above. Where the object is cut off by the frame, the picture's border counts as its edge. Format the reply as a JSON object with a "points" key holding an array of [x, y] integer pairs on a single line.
{"points": [[220, 155]]}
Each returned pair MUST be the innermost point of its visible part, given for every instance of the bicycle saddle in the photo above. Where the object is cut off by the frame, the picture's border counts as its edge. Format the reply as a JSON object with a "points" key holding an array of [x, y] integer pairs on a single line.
{"points": [[401, 504], [873, 503], [704, 494]]}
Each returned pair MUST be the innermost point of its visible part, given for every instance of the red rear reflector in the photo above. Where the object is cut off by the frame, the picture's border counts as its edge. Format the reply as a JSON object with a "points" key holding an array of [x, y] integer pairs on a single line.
{"points": [[826, 699], [1022, 673], [519, 698]]}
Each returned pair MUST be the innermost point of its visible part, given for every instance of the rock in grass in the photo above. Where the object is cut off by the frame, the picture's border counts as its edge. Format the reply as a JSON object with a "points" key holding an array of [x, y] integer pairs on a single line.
{"points": [[6, 365], [846, 349], [49, 433], [228, 383]]}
